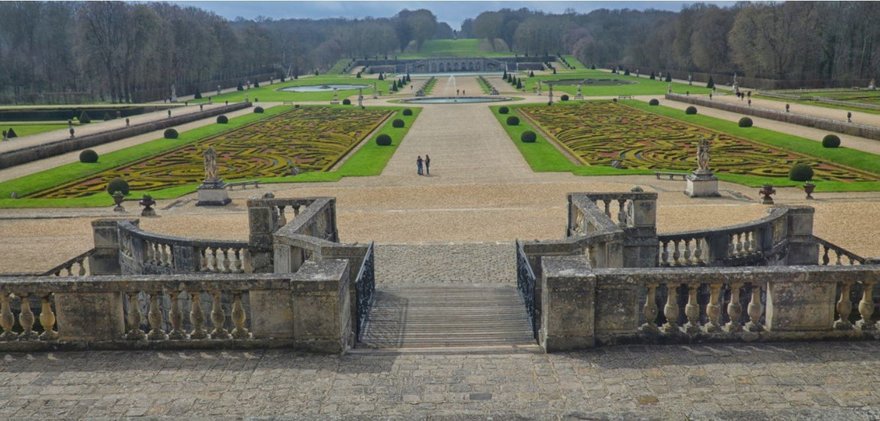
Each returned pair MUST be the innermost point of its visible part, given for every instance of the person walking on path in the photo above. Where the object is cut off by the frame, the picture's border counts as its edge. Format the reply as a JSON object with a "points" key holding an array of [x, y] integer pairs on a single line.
{"points": [[427, 164], [419, 165]]}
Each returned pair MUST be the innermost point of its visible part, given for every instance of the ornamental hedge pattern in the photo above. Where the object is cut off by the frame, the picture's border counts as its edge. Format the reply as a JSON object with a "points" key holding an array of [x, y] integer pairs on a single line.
{"points": [[598, 132], [309, 138]]}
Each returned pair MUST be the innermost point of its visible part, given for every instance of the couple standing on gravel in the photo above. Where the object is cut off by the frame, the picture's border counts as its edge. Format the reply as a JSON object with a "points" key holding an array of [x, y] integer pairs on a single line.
{"points": [[424, 163]]}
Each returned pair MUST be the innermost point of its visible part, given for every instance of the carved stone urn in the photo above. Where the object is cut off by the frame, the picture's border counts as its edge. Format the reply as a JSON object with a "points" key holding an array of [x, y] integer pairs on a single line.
{"points": [[118, 198], [808, 189], [766, 192], [147, 202]]}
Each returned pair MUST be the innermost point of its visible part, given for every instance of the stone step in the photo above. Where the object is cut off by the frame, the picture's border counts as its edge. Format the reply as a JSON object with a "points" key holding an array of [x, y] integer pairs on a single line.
{"points": [[433, 317]]}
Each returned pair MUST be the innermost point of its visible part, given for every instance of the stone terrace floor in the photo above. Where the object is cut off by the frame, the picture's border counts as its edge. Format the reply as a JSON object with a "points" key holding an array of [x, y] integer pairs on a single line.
{"points": [[741, 381]]}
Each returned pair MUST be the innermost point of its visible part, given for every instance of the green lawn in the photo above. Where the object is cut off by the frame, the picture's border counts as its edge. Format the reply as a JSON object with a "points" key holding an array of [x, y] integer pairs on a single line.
{"points": [[640, 86], [458, 48], [429, 87], [370, 159], [854, 105], [543, 156], [273, 93], [572, 60], [339, 67], [27, 129]]}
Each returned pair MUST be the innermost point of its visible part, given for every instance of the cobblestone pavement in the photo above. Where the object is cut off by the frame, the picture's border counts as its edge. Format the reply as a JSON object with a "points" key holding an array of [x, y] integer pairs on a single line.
{"points": [[443, 263], [778, 381]]}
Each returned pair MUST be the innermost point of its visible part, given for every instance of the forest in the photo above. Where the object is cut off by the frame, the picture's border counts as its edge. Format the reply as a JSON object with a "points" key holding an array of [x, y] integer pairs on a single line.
{"points": [[129, 52]]}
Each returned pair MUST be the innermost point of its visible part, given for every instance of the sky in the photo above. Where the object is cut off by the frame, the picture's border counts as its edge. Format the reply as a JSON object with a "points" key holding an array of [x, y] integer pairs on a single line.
{"points": [[451, 12]]}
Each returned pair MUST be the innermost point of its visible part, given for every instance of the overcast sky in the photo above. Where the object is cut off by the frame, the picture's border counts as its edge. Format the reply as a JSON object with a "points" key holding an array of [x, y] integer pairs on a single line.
{"points": [[451, 12]]}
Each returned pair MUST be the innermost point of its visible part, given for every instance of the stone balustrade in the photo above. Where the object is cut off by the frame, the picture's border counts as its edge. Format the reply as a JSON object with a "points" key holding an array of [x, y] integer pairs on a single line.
{"points": [[77, 266], [833, 254], [141, 252], [307, 310], [585, 307], [753, 243]]}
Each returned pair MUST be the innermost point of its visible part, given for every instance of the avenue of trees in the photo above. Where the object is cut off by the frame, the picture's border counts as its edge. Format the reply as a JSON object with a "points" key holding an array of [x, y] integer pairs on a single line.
{"points": [[133, 51], [129, 52], [785, 40]]}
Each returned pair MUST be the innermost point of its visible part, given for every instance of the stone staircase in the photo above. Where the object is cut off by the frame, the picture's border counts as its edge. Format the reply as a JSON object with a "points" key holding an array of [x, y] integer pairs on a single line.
{"points": [[476, 316]]}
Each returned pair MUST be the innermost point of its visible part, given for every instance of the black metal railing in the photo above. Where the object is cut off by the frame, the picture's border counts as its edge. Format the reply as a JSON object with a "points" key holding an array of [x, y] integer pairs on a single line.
{"points": [[365, 284], [525, 283]]}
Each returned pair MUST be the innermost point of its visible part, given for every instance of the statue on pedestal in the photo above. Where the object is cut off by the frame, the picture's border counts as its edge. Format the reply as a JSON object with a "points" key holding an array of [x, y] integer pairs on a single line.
{"points": [[702, 182], [361, 97], [580, 94], [703, 155], [210, 165], [550, 95]]}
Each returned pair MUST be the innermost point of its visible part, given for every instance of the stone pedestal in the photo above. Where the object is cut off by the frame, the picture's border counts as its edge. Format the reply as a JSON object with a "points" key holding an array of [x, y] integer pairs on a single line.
{"points": [[702, 184], [213, 194]]}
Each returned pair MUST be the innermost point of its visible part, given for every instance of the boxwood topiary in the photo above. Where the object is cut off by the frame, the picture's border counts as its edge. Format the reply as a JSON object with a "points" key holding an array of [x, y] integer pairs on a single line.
{"points": [[346, 101], [564, 98], [397, 123], [222, 119], [801, 172], [84, 118], [11, 133], [690, 110], [407, 111], [259, 110], [171, 134], [745, 122], [503, 110], [88, 156], [528, 136], [653, 101], [512, 121], [831, 141], [383, 140], [117, 185]]}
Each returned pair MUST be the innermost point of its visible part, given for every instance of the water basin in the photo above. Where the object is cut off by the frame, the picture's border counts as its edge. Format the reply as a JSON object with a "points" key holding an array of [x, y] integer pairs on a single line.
{"points": [[322, 88], [455, 100]]}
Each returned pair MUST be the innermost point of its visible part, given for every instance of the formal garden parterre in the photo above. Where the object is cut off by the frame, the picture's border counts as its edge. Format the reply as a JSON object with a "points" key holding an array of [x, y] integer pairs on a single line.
{"points": [[601, 133], [302, 139]]}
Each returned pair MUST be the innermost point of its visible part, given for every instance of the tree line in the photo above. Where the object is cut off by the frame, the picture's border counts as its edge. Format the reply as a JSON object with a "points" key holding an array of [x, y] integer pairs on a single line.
{"points": [[129, 52], [781, 40], [54, 52]]}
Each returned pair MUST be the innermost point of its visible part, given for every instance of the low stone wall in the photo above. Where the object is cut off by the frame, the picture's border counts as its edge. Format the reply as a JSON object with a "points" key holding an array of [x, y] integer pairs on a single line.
{"points": [[854, 129], [307, 310], [585, 307], [47, 150]]}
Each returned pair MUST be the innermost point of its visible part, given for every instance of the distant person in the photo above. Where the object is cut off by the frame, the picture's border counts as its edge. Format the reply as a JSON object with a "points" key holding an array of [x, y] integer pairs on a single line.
{"points": [[463, 92], [419, 163], [458, 92], [427, 164]]}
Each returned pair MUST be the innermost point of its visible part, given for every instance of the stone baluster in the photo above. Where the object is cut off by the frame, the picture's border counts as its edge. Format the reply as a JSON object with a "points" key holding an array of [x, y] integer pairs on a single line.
{"points": [[238, 318], [837, 257], [734, 309], [223, 262], [607, 205], [825, 259], [47, 319], [175, 317], [218, 318], [203, 259], [713, 309], [26, 319], [155, 317], [755, 310], [295, 210], [134, 319], [866, 307], [675, 253], [844, 307], [621, 212], [650, 325], [246, 266], [282, 220], [692, 311], [698, 251], [82, 267], [687, 252], [197, 317], [7, 320], [731, 249], [739, 245], [671, 310], [664, 253], [211, 257], [168, 250], [754, 243], [235, 258]]}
